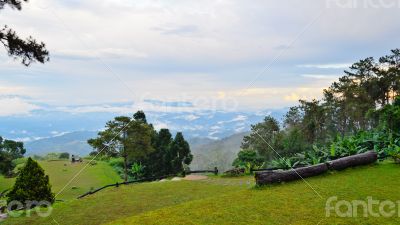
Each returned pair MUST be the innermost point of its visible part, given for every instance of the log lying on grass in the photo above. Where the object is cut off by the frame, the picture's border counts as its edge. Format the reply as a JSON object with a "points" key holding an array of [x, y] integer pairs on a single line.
{"points": [[271, 177], [354, 160]]}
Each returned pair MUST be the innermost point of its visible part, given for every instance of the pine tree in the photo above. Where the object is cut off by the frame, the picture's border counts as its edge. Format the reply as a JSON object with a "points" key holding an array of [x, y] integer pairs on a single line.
{"points": [[179, 153], [157, 163], [31, 185]]}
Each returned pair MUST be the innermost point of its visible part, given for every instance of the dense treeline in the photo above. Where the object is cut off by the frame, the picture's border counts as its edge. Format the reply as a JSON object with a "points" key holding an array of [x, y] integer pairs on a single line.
{"points": [[144, 151], [360, 105]]}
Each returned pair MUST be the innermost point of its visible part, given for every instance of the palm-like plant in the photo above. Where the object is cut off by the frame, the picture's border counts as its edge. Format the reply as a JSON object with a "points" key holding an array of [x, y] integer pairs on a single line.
{"points": [[285, 162], [137, 171], [314, 156], [394, 151]]}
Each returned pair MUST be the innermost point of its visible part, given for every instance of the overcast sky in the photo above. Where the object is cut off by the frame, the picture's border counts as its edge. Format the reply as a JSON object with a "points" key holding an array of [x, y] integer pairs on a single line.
{"points": [[225, 55]]}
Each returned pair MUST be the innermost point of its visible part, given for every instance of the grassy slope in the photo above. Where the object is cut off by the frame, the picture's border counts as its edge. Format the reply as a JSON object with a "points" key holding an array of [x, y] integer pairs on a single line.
{"points": [[5, 183], [115, 203], [291, 203], [93, 176], [230, 201]]}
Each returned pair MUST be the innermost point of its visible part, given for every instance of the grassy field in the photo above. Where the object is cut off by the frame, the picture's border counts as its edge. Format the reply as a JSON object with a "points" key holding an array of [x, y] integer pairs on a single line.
{"points": [[61, 172], [5, 183], [231, 201]]}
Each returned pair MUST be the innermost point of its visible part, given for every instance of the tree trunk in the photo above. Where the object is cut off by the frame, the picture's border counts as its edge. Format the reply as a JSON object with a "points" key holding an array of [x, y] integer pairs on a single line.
{"points": [[354, 160], [270, 177], [125, 168]]}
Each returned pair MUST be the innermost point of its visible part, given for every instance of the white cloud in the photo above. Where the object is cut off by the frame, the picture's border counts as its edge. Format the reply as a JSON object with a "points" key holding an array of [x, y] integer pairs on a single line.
{"points": [[215, 127], [23, 139], [259, 98], [191, 117], [327, 66], [159, 125], [100, 53], [239, 129], [322, 76], [58, 133], [236, 119], [12, 106], [239, 118], [198, 49]]}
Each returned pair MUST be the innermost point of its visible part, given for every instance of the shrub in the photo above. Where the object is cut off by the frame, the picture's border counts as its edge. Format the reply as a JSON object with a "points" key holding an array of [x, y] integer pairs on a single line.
{"points": [[394, 151], [64, 155], [137, 171], [118, 165], [116, 162], [285, 162], [31, 185], [52, 156], [248, 159], [313, 157]]}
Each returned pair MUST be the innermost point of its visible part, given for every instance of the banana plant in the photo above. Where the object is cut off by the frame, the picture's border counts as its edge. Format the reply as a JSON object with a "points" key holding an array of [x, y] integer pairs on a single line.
{"points": [[285, 163]]}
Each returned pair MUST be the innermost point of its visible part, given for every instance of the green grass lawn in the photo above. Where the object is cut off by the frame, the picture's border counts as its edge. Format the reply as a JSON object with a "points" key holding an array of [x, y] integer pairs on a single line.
{"points": [[5, 183], [93, 176], [230, 201], [60, 172]]}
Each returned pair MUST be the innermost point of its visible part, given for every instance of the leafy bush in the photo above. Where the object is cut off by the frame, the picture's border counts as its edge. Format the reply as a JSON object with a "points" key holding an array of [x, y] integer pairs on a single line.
{"points": [[393, 150], [64, 155], [116, 162], [137, 171], [249, 160], [118, 165], [285, 162], [52, 156], [313, 157], [347, 146]]}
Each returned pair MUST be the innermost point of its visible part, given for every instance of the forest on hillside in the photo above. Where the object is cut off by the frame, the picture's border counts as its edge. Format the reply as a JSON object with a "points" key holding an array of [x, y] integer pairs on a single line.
{"points": [[359, 112]]}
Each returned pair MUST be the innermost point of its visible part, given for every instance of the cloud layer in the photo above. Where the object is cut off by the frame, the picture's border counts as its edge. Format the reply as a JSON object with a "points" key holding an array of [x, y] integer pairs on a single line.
{"points": [[222, 55]]}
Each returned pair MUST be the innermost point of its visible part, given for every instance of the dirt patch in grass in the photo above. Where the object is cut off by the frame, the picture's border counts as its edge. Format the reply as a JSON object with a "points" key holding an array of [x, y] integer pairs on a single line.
{"points": [[195, 177]]}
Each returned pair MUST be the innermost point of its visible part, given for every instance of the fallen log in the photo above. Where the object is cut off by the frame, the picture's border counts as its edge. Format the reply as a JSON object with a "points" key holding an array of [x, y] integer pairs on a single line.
{"points": [[354, 160], [271, 177]]}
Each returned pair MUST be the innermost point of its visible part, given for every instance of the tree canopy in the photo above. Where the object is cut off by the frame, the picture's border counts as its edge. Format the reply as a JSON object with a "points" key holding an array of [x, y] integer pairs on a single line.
{"points": [[31, 185], [148, 152], [365, 98], [28, 50], [9, 151]]}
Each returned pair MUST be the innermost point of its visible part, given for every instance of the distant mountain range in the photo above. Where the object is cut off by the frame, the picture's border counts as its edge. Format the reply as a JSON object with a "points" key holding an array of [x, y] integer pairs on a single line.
{"points": [[214, 136], [75, 143], [42, 124], [217, 153], [207, 152]]}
